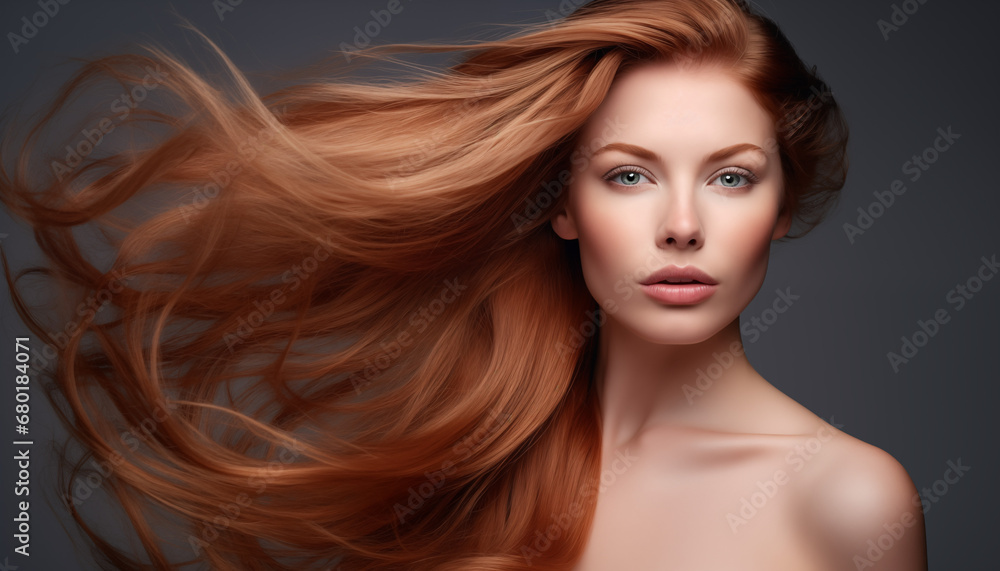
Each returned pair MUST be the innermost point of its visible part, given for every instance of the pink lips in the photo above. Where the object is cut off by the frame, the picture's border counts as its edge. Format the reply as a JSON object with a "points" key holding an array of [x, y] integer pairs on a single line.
{"points": [[674, 285]]}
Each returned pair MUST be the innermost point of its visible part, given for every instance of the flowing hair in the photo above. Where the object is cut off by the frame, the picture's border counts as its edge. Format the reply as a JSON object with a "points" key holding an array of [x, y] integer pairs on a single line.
{"points": [[335, 326]]}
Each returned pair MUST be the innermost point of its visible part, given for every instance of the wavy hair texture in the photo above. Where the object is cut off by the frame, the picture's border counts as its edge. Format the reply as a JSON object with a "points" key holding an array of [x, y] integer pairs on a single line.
{"points": [[336, 327]]}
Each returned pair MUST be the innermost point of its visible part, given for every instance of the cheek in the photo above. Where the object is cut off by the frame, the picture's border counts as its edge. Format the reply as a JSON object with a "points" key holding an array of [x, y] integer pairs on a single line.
{"points": [[599, 244], [746, 235], [606, 235]]}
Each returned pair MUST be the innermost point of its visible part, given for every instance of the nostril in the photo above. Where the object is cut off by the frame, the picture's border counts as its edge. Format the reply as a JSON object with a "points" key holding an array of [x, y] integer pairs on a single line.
{"points": [[691, 242]]}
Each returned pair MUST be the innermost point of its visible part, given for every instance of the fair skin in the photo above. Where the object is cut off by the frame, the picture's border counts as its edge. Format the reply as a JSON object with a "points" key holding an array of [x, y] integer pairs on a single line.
{"points": [[732, 474]]}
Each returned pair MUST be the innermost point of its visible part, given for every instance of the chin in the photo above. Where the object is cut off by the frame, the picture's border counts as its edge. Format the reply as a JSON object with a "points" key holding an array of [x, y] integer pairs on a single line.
{"points": [[684, 326]]}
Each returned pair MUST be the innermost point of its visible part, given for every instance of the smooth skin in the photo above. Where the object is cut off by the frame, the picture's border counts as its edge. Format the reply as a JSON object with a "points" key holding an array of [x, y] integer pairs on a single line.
{"points": [[733, 475]]}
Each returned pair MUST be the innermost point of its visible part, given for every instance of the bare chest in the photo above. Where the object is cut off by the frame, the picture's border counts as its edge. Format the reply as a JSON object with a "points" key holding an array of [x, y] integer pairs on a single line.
{"points": [[718, 511]]}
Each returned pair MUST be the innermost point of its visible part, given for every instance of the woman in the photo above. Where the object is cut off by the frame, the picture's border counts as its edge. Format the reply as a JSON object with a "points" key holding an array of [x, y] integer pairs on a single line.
{"points": [[484, 319]]}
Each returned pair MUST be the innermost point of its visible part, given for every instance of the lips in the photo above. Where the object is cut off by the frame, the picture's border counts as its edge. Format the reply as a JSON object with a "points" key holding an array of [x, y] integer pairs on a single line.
{"points": [[680, 276], [675, 285]]}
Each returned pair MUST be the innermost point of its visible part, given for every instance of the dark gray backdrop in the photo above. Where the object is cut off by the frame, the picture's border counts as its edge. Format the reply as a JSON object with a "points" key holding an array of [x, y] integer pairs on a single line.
{"points": [[858, 294]]}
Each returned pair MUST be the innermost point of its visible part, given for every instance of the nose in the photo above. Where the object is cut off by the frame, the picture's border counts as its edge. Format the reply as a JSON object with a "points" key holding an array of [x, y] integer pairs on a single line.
{"points": [[681, 227]]}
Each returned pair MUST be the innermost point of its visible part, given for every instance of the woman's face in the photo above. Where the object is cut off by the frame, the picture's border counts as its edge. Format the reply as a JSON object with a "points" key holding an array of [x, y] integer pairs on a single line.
{"points": [[680, 174]]}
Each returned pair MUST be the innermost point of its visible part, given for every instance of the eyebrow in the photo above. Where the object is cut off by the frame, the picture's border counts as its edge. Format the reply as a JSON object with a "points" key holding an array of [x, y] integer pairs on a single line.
{"points": [[647, 154]]}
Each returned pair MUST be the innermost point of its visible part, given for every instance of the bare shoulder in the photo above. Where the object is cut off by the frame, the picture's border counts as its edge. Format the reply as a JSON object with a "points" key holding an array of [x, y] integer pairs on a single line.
{"points": [[860, 505]]}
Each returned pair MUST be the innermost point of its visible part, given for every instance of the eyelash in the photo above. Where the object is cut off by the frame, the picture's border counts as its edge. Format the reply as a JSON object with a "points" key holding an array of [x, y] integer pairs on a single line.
{"points": [[749, 175]]}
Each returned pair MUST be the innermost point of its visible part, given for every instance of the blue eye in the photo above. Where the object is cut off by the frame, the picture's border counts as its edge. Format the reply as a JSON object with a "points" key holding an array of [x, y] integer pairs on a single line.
{"points": [[629, 178], [731, 178], [735, 178], [626, 176]]}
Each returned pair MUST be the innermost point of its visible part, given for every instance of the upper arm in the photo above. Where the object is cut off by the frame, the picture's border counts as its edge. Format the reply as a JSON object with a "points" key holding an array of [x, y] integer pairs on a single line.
{"points": [[866, 512]]}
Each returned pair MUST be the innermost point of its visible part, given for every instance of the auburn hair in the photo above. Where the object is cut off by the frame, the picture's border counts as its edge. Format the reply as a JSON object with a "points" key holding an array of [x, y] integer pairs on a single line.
{"points": [[333, 325]]}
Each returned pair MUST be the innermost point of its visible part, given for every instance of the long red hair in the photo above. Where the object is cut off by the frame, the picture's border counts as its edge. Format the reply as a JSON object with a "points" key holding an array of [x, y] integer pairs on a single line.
{"points": [[336, 327]]}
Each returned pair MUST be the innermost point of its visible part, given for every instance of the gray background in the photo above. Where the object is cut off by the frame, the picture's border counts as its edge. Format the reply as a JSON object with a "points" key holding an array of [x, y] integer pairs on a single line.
{"points": [[829, 350]]}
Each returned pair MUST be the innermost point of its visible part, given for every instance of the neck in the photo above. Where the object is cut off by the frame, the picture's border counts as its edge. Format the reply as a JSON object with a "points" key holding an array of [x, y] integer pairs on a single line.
{"points": [[642, 384]]}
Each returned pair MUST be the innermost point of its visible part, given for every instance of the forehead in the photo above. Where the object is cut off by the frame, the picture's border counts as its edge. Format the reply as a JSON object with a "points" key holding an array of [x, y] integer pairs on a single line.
{"points": [[667, 104]]}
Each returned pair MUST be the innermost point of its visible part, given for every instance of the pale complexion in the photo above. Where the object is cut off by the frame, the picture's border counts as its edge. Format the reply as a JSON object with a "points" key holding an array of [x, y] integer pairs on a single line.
{"points": [[693, 180]]}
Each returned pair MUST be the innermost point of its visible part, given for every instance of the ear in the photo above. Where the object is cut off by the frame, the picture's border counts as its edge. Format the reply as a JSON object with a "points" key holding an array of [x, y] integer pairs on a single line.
{"points": [[783, 225], [564, 225]]}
